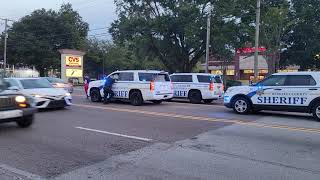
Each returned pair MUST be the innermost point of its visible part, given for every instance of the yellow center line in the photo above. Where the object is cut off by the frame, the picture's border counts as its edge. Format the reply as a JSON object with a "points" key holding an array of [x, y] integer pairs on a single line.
{"points": [[199, 118]]}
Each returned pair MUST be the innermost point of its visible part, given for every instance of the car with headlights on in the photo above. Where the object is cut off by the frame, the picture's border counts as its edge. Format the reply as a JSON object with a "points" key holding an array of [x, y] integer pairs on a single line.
{"points": [[44, 94], [15, 107], [59, 83]]}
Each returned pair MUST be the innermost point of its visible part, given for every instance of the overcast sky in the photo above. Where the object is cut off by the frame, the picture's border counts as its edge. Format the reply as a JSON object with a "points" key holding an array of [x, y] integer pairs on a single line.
{"points": [[98, 13]]}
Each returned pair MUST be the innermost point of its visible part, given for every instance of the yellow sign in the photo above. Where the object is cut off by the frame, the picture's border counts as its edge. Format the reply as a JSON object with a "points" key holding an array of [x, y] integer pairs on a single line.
{"points": [[74, 73], [73, 61]]}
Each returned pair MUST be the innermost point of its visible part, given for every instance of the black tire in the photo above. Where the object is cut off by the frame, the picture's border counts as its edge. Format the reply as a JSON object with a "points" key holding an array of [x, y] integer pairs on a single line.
{"points": [[208, 101], [136, 98], [195, 97], [157, 101], [316, 111], [95, 95], [241, 105], [25, 121]]}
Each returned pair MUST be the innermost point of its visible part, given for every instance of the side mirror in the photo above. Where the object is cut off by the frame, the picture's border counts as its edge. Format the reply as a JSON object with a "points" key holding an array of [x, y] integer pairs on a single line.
{"points": [[14, 88]]}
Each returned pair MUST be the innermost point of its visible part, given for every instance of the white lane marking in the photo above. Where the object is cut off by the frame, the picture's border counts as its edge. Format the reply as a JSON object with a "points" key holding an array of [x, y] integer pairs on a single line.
{"points": [[115, 134], [20, 172]]}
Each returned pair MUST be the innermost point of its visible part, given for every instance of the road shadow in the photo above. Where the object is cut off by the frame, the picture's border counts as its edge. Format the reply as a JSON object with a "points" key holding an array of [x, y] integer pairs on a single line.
{"points": [[53, 109]]}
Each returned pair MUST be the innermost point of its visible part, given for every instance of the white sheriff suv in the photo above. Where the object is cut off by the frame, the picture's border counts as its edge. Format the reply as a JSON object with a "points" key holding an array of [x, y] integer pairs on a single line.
{"points": [[197, 87], [291, 92], [136, 86]]}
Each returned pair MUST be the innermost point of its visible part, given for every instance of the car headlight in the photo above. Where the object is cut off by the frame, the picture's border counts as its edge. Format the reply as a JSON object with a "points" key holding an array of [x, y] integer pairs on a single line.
{"points": [[68, 94], [20, 99]]}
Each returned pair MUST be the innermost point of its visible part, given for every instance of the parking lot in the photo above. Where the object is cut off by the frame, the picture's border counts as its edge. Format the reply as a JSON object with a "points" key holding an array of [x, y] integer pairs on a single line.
{"points": [[173, 140]]}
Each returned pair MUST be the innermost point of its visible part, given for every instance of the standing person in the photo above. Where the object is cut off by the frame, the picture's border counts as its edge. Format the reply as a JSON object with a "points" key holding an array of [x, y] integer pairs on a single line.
{"points": [[107, 89], [86, 85]]}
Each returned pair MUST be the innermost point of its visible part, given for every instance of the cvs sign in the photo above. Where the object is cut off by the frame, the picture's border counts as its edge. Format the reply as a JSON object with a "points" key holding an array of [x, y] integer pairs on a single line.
{"points": [[73, 61]]}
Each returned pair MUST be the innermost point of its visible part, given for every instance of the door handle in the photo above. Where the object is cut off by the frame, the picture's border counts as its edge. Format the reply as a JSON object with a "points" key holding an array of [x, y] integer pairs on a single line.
{"points": [[313, 89], [277, 89]]}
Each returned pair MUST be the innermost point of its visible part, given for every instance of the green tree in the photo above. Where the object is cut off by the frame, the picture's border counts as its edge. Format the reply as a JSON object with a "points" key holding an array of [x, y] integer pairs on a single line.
{"points": [[35, 39], [172, 31], [303, 37]]}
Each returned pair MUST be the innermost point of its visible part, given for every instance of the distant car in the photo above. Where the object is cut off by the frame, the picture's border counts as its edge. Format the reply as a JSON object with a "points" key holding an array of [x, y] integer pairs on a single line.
{"points": [[14, 107], [197, 87], [136, 86], [59, 83], [44, 94]]}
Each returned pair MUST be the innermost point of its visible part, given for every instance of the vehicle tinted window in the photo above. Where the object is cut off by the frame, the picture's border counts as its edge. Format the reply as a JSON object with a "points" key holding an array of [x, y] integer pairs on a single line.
{"points": [[300, 80], [275, 80], [181, 78], [35, 83], [218, 79], [153, 77], [205, 79], [126, 76]]}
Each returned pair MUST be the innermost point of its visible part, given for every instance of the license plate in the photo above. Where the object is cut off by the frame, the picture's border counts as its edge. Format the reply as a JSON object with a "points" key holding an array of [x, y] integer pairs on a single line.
{"points": [[10, 114]]}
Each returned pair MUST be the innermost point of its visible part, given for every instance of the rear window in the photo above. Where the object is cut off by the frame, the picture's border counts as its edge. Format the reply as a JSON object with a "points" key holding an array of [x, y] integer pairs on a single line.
{"points": [[205, 79], [218, 79], [153, 77]]}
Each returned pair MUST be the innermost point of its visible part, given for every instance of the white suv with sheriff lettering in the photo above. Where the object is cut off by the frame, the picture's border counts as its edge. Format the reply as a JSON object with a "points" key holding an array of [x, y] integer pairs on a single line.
{"points": [[291, 92], [136, 86], [197, 87]]}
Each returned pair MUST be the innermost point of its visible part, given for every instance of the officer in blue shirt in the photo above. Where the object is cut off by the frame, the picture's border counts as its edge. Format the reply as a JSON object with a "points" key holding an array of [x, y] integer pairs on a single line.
{"points": [[107, 88]]}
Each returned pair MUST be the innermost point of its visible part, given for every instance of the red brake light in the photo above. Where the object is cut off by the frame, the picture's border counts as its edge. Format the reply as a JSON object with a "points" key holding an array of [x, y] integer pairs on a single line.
{"points": [[151, 85], [211, 87]]}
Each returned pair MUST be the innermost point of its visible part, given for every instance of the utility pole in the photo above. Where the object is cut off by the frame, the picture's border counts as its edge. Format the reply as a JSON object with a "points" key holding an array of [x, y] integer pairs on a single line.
{"points": [[256, 52], [5, 44], [208, 39], [5, 47]]}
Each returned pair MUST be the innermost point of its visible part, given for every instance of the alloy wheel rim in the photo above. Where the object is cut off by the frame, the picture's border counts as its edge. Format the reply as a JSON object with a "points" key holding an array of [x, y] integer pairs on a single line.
{"points": [[318, 111], [241, 106]]}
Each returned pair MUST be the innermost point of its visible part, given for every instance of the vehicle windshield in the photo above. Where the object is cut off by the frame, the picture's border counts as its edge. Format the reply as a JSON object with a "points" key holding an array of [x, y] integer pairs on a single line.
{"points": [[3, 86], [55, 80], [154, 77], [35, 83]]}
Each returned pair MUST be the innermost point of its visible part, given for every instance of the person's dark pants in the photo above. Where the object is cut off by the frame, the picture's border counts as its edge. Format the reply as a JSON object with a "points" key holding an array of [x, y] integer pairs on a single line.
{"points": [[107, 92]]}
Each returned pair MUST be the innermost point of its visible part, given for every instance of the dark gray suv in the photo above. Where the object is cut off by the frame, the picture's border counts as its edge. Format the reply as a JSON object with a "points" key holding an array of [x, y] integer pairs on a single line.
{"points": [[15, 107]]}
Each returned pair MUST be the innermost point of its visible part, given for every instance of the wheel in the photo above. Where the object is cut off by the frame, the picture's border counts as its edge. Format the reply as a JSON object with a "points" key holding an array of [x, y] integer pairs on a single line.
{"points": [[195, 97], [208, 101], [95, 95], [241, 105], [316, 111], [157, 101], [25, 121], [136, 98]]}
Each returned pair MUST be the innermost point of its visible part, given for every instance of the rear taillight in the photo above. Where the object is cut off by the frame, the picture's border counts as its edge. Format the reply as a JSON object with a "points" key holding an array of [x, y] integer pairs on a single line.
{"points": [[211, 86], [171, 85], [222, 87], [151, 85]]}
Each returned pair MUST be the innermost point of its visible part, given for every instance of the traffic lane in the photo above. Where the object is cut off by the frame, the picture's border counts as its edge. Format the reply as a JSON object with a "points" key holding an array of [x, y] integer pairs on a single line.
{"points": [[202, 110], [54, 145]]}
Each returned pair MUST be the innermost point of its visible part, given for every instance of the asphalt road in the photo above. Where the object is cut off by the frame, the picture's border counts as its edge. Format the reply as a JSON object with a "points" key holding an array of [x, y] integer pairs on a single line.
{"points": [[62, 143]]}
